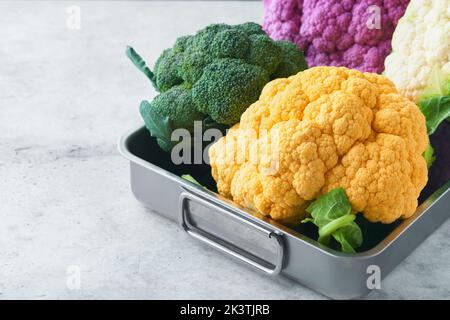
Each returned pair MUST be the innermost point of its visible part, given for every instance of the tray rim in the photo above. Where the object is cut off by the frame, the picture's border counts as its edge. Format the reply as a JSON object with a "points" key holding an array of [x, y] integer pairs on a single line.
{"points": [[377, 250]]}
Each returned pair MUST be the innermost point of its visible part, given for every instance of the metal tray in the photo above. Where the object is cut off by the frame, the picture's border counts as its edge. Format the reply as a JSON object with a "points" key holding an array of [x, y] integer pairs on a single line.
{"points": [[260, 242]]}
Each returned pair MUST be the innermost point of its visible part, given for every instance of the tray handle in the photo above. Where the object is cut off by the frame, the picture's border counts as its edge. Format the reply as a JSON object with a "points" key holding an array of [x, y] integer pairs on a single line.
{"points": [[213, 240]]}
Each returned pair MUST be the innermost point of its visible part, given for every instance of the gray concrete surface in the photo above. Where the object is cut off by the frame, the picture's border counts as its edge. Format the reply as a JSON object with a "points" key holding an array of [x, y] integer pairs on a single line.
{"points": [[65, 97]]}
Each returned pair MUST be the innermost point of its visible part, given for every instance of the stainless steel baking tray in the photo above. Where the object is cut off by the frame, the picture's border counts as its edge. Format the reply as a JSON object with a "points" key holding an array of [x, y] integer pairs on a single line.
{"points": [[262, 243]]}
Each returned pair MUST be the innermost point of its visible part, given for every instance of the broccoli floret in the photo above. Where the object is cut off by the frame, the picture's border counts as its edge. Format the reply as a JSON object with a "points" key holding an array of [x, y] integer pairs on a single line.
{"points": [[218, 73], [251, 28], [227, 87], [170, 110], [292, 60], [191, 67], [202, 41], [176, 103], [182, 43], [166, 70], [230, 43], [264, 52]]}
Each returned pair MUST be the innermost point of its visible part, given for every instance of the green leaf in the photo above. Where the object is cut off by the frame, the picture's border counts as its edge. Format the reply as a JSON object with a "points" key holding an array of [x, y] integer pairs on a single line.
{"points": [[158, 125], [438, 84], [435, 99], [140, 64], [429, 156], [330, 206], [436, 109], [349, 237], [332, 213], [190, 178]]}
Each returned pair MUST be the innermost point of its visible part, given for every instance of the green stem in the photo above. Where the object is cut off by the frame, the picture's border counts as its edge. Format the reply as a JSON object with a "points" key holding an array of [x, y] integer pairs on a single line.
{"points": [[140, 63], [329, 228], [325, 240], [190, 178]]}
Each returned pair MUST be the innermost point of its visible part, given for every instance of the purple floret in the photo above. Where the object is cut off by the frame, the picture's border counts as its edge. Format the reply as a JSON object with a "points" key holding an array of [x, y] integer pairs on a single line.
{"points": [[336, 32]]}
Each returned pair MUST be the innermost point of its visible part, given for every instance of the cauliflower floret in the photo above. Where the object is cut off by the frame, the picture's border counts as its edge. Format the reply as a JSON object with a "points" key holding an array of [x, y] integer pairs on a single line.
{"points": [[354, 34], [420, 45], [323, 128]]}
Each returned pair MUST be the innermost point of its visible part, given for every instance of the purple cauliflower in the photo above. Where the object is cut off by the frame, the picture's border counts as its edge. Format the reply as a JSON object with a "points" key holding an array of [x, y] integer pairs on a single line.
{"points": [[352, 33]]}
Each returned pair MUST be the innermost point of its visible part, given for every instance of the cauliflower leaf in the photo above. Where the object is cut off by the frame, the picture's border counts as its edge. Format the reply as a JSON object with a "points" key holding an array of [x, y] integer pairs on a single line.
{"points": [[438, 83], [429, 156], [333, 214], [349, 237], [435, 109]]}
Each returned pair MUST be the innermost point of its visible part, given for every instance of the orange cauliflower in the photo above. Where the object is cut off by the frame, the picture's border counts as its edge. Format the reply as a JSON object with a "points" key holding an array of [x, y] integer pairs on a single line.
{"points": [[323, 128]]}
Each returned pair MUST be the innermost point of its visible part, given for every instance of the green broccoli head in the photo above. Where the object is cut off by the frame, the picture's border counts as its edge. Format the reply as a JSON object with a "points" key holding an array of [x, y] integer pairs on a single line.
{"points": [[292, 60], [227, 87], [222, 67]]}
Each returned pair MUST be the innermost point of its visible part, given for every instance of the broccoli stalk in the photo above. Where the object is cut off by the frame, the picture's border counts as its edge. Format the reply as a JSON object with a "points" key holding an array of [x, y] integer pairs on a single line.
{"points": [[140, 64]]}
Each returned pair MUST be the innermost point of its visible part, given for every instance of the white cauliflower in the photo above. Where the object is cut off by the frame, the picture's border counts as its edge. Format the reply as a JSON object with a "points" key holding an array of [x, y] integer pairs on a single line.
{"points": [[421, 49]]}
